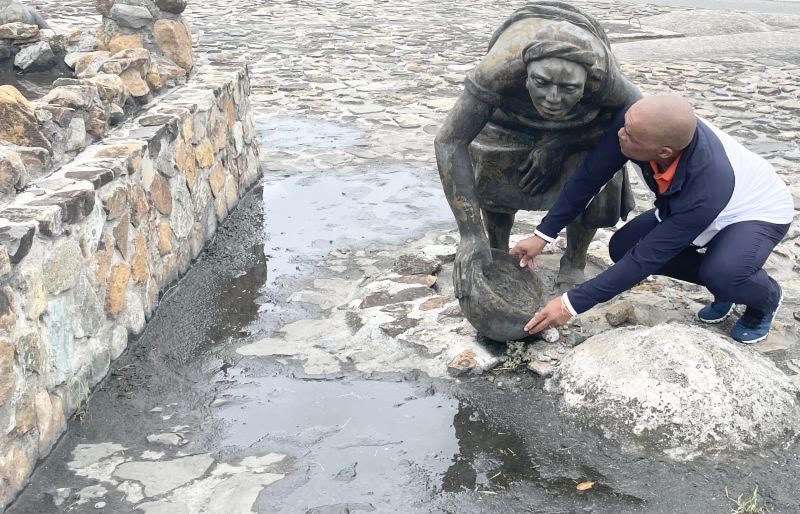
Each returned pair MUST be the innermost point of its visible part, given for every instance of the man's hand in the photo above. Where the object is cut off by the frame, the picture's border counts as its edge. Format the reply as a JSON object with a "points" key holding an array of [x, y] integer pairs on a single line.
{"points": [[470, 248], [527, 250], [553, 314]]}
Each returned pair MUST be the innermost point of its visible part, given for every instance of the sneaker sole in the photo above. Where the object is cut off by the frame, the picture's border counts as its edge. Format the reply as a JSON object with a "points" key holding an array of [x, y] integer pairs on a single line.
{"points": [[753, 341], [718, 320]]}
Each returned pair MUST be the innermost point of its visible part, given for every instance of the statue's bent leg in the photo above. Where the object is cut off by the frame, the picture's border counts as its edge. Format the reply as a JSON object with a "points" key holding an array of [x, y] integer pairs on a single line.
{"points": [[498, 228], [38, 20], [573, 261]]}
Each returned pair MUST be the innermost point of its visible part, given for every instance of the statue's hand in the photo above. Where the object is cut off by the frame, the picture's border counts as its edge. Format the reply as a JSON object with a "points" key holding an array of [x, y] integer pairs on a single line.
{"points": [[472, 251], [541, 169]]}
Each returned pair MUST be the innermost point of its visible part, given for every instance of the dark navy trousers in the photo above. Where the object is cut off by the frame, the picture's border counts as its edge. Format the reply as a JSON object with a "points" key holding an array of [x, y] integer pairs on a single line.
{"points": [[730, 265]]}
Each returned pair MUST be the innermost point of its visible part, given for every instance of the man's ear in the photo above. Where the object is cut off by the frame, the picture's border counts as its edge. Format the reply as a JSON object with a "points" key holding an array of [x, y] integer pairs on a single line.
{"points": [[666, 152]]}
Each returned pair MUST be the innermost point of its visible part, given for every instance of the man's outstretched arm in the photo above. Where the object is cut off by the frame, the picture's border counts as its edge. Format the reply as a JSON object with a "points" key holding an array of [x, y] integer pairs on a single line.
{"points": [[599, 166]]}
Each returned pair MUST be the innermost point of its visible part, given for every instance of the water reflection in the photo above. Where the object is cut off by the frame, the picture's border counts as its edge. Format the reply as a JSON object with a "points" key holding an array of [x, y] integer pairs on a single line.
{"points": [[293, 132], [308, 215], [237, 299], [397, 442], [32, 85], [488, 457]]}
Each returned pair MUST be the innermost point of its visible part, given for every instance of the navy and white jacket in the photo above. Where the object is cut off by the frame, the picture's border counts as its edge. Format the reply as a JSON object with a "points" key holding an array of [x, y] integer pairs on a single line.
{"points": [[718, 182]]}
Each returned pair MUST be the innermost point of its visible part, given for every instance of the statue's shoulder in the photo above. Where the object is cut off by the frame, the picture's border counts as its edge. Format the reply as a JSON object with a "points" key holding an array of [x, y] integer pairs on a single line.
{"points": [[502, 69]]}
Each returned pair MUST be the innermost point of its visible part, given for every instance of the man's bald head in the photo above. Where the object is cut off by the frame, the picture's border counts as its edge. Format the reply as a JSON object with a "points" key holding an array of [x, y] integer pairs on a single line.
{"points": [[667, 120], [656, 124]]}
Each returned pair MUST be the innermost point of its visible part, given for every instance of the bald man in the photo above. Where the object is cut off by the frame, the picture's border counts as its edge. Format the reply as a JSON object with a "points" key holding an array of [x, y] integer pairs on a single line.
{"points": [[719, 212]]}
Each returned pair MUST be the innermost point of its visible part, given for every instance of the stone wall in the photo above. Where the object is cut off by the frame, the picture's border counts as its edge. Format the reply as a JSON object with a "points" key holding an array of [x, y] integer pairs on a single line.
{"points": [[36, 137], [141, 50], [156, 25], [85, 252]]}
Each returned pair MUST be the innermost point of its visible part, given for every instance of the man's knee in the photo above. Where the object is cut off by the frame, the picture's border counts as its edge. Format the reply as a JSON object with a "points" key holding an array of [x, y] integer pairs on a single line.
{"points": [[720, 277], [630, 234], [618, 246]]}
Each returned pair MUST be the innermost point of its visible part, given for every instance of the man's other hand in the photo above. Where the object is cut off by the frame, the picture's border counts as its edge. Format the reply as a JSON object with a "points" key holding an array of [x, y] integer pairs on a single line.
{"points": [[553, 314], [527, 250]]}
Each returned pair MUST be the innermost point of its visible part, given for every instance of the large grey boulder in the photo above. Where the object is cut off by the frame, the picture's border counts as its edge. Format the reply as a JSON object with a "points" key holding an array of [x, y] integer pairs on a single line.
{"points": [[36, 57], [172, 6], [132, 16], [677, 389]]}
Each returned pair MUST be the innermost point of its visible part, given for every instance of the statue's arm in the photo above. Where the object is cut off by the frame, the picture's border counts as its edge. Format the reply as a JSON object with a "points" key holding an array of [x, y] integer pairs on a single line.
{"points": [[464, 122], [631, 92], [40, 21]]}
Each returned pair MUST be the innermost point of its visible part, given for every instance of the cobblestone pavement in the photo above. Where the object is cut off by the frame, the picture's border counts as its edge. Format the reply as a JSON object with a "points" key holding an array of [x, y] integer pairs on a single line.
{"points": [[393, 71], [349, 96]]}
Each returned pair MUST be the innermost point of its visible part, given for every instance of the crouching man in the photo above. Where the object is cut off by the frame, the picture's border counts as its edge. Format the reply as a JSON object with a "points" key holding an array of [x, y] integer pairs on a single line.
{"points": [[719, 212]]}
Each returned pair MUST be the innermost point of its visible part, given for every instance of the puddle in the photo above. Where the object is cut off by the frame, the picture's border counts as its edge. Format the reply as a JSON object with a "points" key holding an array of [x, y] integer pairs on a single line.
{"points": [[308, 215], [359, 441], [389, 446], [290, 132], [32, 85], [236, 298], [355, 441]]}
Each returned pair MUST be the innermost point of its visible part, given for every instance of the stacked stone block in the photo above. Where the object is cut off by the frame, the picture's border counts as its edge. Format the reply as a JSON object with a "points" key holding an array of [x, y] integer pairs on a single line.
{"points": [[27, 47], [85, 252], [156, 25], [143, 48], [48, 132]]}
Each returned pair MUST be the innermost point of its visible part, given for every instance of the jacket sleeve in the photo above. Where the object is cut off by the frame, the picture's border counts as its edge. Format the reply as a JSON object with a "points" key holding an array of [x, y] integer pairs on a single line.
{"points": [[665, 241], [600, 165]]}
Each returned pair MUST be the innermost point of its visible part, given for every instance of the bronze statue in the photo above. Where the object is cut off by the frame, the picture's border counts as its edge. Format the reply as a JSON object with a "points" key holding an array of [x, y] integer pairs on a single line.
{"points": [[541, 97], [11, 12]]}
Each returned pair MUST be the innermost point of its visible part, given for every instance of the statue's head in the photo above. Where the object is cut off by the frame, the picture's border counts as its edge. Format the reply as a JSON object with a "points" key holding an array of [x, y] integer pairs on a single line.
{"points": [[557, 76]]}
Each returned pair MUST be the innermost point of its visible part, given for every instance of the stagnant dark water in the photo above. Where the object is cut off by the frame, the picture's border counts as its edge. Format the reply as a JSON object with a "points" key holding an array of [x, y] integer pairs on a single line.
{"points": [[32, 85]]}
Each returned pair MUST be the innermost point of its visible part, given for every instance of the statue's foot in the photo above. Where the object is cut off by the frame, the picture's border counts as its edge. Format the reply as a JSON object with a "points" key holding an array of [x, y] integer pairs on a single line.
{"points": [[569, 276]]}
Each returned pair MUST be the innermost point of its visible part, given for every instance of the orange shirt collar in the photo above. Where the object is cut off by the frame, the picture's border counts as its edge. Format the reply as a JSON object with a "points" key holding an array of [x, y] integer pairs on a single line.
{"points": [[664, 179]]}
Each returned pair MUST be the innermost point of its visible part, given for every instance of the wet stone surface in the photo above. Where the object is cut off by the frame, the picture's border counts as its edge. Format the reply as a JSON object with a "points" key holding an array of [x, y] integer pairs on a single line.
{"points": [[299, 368]]}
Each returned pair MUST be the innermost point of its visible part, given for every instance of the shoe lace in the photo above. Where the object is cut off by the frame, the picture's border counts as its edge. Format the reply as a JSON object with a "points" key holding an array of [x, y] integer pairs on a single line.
{"points": [[752, 317]]}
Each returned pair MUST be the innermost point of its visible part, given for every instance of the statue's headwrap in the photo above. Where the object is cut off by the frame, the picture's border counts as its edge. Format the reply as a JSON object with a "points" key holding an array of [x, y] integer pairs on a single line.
{"points": [[551, 43], [561, 50], [602, 69]]}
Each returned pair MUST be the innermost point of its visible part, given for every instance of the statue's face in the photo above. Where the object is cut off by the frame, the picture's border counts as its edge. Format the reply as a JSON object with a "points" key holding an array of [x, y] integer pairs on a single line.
{"points": [[555, 85]]}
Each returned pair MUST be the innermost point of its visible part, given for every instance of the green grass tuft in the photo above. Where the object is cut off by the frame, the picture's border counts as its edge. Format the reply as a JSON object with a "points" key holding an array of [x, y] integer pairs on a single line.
{"points": [[747, 505]]}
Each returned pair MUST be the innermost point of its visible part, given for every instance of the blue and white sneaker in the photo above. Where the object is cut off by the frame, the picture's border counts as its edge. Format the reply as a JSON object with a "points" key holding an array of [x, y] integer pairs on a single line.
{"points": [[754, 325], [715, 312]]}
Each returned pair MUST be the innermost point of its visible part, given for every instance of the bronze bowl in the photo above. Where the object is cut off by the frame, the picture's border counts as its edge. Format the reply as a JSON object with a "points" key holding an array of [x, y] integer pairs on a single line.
{"points": [[503, 299]]}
